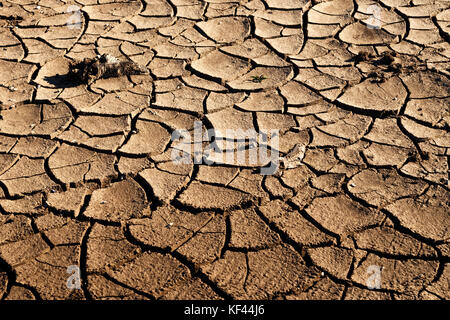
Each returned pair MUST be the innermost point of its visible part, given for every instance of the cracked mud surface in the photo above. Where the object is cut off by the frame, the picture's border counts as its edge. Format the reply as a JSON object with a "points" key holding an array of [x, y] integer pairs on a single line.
{"points": [[86, 176]]}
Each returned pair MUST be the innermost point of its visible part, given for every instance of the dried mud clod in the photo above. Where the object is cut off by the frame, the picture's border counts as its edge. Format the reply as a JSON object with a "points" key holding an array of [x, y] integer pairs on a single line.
{"points": [[102, 67]]}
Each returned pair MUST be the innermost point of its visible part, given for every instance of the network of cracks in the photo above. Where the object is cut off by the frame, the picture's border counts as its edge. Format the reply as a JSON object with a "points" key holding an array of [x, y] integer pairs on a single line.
{"points": [[358, 90]]}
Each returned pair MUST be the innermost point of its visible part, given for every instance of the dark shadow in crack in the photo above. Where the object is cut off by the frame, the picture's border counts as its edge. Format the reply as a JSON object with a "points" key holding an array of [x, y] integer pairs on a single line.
{"points": [[63, 80]]}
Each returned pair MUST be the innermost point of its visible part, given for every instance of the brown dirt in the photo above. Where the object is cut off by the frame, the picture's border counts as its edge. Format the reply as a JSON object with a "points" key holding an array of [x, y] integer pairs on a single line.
{"points": [[86, 177]]}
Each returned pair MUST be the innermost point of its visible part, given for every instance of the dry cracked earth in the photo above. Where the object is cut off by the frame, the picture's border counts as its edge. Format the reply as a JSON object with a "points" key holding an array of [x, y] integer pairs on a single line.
{"points": [[359, 91]]}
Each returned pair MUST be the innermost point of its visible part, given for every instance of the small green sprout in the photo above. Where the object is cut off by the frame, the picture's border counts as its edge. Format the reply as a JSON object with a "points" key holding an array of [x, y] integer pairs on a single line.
{"points": [[258, 79]]}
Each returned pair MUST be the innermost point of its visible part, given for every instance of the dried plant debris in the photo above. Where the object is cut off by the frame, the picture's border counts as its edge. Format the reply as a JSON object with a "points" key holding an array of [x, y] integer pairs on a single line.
{"points": [[386, 58], [379, 68], [104, 66], [10, 21], [360, 57], [376, 77]]}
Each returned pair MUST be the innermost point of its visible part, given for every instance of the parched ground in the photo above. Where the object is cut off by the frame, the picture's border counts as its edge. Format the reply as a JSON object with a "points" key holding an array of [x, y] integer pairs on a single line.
{"points": [[87, 181]]}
